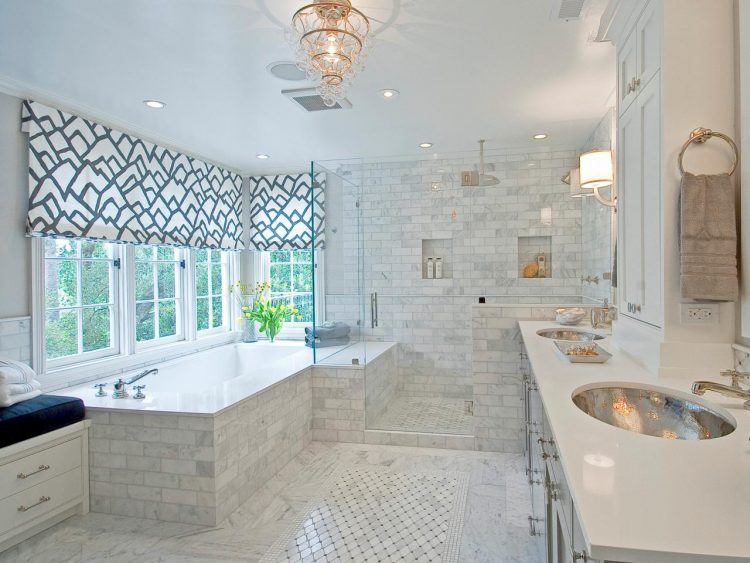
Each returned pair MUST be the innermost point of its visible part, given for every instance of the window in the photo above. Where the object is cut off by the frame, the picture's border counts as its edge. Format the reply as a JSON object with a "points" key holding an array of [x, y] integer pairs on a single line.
{"points": [[290, 273], [211, 289], [80, 300], [95, 300], [158, 294]]}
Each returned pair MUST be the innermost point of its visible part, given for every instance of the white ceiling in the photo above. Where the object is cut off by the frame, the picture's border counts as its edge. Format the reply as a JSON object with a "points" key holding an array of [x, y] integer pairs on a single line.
{"points": [[495, 69]]}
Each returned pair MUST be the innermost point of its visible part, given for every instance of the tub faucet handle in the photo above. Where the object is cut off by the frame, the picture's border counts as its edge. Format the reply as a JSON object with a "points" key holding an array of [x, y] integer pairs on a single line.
{"points": [[101, 387], [139, 392]]}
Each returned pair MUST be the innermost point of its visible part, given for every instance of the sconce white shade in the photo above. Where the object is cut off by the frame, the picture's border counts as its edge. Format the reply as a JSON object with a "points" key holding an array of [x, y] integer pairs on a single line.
{"points": [[575, 185], [596, 169]]}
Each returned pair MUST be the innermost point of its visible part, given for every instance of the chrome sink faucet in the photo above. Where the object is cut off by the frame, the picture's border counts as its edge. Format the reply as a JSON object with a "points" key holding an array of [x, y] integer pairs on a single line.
{"points": [[735, 390]]}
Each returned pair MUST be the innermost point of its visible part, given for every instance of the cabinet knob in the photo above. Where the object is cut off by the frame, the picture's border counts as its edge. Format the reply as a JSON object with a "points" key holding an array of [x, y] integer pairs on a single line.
{"points": [[580, 556], [637, 308]]}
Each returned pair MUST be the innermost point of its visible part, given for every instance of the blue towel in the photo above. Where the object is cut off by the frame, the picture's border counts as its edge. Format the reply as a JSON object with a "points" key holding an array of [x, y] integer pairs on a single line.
{"points": [[326, 343], [327, 331]]}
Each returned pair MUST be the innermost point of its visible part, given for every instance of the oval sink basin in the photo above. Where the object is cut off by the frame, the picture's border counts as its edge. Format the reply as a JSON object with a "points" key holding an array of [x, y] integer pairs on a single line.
{"points": [[569, 334], [653, 412]]}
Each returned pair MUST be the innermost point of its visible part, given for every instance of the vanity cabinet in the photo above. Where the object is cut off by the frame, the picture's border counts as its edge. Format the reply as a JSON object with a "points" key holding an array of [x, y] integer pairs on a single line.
{"points": [[553, 520], [639, 171]]}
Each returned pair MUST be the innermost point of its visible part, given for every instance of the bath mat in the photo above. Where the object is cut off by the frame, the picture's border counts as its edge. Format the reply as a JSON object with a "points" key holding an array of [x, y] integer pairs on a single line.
{"points": [[376, 514]]}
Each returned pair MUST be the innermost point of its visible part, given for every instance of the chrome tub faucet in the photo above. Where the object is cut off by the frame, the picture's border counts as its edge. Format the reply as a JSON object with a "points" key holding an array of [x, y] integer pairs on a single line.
{"points": [[141, 375], [735, 390]]}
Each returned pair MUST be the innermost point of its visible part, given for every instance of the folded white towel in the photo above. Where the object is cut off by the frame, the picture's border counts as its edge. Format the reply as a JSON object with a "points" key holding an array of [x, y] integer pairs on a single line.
{"points": [[12, 371], [13, 399], [20, 388]]}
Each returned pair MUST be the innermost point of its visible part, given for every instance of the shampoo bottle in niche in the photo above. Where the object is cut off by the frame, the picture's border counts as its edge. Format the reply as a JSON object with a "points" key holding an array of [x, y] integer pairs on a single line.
{"points": [[430, 268], [541, 261], [438, 268]]}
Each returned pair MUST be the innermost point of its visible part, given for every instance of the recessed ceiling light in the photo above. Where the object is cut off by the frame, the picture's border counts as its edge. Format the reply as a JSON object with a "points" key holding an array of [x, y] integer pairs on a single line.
{"points": [[540, 136], [389, 93], [262, 156], [154, 104], [425, 145]]}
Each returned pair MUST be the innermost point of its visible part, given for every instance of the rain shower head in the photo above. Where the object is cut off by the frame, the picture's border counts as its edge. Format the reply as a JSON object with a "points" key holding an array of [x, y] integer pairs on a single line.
{"points": [[484, 178]]}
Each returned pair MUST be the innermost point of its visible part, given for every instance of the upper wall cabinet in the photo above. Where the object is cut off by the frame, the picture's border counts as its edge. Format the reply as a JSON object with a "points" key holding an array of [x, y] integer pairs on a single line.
{"points": [[639, 170], [639, 57]]}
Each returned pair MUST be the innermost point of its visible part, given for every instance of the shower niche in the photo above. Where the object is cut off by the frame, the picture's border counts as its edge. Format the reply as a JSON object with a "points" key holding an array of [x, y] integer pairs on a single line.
{"points": [[435, 249], [534, 257]]}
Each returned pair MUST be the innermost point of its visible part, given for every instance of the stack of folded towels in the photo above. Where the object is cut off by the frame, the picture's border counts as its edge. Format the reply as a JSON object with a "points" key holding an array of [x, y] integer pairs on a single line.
{"points": [[327, 334], [17, 382]]}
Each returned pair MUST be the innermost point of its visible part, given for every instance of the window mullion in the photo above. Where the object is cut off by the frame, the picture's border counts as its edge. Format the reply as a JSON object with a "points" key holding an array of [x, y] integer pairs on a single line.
{"points": [[155, 296], [79, 296]]}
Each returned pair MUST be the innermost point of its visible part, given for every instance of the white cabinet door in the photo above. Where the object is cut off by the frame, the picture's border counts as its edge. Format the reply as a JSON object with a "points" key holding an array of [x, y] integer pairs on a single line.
{"points": [[639, 190], [630, 220], [627, 63], [648, 31], [649, 110]]}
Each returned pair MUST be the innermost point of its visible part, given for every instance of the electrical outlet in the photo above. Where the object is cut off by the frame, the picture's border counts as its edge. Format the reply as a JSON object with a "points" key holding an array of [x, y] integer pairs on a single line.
{"points": [[699, 313]]}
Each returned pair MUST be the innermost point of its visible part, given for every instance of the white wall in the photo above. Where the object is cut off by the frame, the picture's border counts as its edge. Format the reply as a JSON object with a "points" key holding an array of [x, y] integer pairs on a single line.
{"points": [[15, 248], [698, 90]]}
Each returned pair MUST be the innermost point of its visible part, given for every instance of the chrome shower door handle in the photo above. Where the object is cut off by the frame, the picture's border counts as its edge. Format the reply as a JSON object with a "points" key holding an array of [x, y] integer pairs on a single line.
{"points": [[374, 309]]}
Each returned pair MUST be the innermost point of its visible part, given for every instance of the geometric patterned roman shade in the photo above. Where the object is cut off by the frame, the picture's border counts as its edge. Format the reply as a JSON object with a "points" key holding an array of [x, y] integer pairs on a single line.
{"points": [[90, 181], [283, 211]]}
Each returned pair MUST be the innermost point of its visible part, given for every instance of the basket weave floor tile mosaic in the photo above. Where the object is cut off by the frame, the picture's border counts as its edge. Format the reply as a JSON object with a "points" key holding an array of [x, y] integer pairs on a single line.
{"points": [[374, 514], [426, 415]]}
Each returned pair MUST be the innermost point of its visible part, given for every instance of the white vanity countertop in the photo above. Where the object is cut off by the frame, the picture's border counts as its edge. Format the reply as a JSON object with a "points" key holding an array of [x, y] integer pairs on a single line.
{"points": [[654, 500]]}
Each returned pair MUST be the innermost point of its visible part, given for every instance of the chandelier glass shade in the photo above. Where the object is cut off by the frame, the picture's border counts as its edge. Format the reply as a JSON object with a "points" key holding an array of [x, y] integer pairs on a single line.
{"points": [[330, 38]]}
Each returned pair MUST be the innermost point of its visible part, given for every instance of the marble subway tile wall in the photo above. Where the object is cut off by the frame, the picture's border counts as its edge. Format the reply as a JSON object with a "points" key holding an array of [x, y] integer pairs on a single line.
{"points": [[408, 205], [598, 224], [15, 339], [256, 438], [496, 374], [381, 384]]}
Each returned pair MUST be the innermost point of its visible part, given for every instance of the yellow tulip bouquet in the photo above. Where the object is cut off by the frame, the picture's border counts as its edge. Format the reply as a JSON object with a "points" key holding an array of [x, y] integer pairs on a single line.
{"points": [[256, 307]]}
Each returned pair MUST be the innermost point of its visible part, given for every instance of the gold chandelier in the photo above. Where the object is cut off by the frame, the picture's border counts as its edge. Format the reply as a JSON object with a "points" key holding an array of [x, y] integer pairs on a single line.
{"points": [[330, 38]]}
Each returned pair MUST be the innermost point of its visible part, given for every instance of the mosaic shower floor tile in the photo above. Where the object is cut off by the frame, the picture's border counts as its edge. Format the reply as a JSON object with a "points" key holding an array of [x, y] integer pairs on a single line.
{"points": [[375, 514], [426, 415]]}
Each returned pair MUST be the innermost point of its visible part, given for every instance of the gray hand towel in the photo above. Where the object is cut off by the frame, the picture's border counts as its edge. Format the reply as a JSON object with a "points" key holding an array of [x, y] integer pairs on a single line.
{"points": [[708, 238]]}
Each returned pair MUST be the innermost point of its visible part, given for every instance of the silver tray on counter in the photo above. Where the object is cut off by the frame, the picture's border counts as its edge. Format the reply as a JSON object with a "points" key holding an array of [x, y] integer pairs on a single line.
{"points": [[601, 354]]}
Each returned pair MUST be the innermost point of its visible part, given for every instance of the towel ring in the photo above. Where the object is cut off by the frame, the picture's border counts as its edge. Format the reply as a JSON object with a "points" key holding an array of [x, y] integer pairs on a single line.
{"points": [[701, 135]]}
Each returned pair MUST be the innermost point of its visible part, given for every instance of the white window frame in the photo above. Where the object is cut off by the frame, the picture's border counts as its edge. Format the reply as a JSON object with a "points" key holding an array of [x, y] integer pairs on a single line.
{"points": [[181, 306], [129, 355], [115, 323], [227, 309], [262, 272]]}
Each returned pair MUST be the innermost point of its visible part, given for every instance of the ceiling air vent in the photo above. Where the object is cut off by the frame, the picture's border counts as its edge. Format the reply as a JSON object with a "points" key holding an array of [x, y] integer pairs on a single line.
{"points": [[309, 100], [567, 10]]}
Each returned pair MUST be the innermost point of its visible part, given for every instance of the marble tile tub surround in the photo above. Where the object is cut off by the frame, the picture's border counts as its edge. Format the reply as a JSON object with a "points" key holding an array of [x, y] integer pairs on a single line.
{"points": [[15, 338], [403, 202], [196, 469], [494, 525]]}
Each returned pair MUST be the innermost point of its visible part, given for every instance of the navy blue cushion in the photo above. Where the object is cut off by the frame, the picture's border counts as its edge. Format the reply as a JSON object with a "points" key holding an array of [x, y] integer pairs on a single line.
{"points": [[37, 416]]}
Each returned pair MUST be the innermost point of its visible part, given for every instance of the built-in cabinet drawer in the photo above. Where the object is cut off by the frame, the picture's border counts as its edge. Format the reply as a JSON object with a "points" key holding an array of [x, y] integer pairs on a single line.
{"points": [[34, 502], [28, 471]]}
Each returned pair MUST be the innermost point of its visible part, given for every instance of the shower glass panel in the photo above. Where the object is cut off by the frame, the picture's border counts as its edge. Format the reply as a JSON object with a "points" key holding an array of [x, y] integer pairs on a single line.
{"points": [[339, 301], [437, 256]]}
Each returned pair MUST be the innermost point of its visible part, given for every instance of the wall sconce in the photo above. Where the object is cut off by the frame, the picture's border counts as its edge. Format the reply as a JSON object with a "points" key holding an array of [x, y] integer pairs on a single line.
{"points": [[596, 172], [573, 179]]}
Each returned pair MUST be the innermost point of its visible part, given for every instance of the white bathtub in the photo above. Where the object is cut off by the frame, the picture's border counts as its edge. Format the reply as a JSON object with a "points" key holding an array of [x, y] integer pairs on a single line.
{"points": [[205, 382]]}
